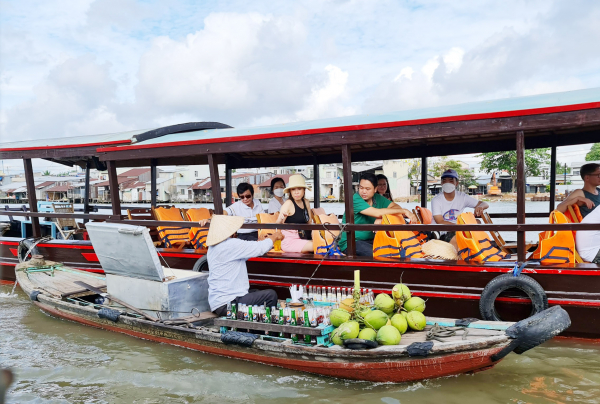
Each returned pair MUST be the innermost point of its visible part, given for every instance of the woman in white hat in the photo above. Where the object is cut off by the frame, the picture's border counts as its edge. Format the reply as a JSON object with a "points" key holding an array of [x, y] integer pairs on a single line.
{"points": [[227, 256], [296, 210]]}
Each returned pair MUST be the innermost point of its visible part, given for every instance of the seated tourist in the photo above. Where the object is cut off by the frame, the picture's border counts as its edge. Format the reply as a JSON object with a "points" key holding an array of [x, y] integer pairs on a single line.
{"points": [[447, 205], [247, 207], [587, 242], [369, 208], [587, 198], [277, 186], [227, 256], [383, 187], [296, 210]]}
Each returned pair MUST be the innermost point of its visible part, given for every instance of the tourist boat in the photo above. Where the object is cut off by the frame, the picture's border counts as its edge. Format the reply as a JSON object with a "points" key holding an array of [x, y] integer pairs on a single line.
{"points": [[451, 287], [139, 290]]}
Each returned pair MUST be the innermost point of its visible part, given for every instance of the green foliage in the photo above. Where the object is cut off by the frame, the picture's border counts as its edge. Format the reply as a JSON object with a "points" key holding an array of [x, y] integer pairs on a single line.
{"points": [[507, 161], [47, 172], [594, 153], [562, 169], [466, 177]]}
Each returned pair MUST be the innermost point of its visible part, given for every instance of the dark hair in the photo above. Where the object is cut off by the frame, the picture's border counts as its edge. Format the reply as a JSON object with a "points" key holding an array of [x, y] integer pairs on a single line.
{"points": [[387, 194], [243, 187], [587, 169], [275, 181], [369, 177]]}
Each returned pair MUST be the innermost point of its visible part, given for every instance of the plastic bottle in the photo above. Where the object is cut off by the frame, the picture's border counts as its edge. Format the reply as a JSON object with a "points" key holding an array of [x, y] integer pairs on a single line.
{"points": [[228, 315]]}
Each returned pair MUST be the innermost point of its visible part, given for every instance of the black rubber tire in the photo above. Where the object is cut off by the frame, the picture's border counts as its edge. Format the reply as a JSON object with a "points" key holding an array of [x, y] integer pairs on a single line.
{"points": [[499, 284], [201, 265]]}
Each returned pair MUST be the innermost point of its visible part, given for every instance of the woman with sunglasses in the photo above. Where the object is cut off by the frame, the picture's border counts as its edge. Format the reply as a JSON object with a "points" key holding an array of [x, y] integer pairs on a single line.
{"points": [[296, 210], [247, 207]]}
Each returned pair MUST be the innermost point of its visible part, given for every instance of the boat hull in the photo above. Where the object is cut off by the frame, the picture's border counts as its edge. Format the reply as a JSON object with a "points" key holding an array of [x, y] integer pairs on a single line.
{"points": [[452, 289]]}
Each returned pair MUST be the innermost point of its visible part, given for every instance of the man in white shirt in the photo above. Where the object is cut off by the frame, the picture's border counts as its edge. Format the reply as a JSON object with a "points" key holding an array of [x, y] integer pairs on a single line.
{"points": [[447, 205], [227, 256], [247, 207], [588, 241]]}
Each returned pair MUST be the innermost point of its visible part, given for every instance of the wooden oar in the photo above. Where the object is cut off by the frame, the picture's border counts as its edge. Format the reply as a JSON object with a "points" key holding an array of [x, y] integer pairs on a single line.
{"points": [[114, 299]]}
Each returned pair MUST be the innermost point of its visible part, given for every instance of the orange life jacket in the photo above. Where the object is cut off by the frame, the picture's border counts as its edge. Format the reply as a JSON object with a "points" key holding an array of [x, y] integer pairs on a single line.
{"points": [[197, 235], [424, 216], [407, 244], [556, 247], [475, 245], [171, 235]]}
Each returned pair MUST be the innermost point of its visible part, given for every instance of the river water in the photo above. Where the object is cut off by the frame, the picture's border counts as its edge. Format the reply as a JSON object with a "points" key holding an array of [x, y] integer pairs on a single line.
{"points": [[57, 361]]}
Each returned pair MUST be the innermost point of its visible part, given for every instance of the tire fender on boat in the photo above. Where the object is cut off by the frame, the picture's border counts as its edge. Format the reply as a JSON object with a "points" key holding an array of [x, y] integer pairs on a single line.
{"points": [[201, 265], [499, 284], [535, 330]]}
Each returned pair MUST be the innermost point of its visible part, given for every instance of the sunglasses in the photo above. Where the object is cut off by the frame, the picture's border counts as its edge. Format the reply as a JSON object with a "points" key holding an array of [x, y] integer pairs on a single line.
{"points": [[245, 196]]}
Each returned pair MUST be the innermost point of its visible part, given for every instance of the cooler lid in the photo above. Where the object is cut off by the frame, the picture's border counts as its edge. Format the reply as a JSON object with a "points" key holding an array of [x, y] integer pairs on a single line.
{"points": [[125, 250]]}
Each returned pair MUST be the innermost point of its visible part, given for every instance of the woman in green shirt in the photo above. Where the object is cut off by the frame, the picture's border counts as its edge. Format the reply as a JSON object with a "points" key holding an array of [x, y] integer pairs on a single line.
{"points": [[369, 208]]}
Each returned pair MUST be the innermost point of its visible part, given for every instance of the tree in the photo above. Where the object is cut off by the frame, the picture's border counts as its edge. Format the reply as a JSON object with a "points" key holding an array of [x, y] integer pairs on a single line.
{"points": [[466, 178], [46, 172], [562, 168], [594, 153], [507, 161]]}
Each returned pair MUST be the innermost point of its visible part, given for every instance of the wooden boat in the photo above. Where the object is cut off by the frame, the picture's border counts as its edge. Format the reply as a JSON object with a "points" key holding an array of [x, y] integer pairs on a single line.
{"points": [[60, 296], [452, 287]]}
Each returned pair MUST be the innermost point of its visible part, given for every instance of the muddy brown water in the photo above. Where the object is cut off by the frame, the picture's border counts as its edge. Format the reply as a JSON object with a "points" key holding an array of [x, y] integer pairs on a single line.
{"points": [[57, 361]]}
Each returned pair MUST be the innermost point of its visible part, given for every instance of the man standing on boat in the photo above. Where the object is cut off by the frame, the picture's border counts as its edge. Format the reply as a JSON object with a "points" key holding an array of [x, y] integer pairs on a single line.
{"points": [[447, 205], [247, 207], [227, 256], [369, 208]]}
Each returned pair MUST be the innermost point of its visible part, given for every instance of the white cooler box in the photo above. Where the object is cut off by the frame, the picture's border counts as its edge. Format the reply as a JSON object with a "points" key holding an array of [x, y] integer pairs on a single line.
{"points": [[135, 275]]}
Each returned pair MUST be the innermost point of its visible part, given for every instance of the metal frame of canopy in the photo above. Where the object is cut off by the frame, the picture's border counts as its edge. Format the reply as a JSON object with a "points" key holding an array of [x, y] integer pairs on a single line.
{"points": [[542, 121]]}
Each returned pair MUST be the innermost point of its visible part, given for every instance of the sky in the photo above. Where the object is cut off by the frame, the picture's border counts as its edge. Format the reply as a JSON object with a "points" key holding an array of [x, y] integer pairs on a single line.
{"points": [[83, 67]]}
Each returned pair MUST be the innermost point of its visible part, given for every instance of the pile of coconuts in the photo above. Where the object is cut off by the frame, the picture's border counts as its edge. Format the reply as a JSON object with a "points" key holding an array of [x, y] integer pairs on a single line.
{"points": [[384, 322]]}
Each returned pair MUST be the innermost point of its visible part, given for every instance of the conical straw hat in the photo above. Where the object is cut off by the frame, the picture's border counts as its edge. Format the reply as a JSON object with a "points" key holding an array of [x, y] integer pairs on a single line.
{"points": [[222, 227], [439, 249], [296, 181]]}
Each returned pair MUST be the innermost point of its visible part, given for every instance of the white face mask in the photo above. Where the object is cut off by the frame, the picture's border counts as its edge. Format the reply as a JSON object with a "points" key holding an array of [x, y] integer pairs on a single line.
{"points": [[448, 188], [278, 192]]}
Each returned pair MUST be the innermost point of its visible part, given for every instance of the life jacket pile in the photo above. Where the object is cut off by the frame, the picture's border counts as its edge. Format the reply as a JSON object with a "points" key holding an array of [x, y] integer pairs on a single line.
{"points": [[171, 236], [556, 247], [397, 243], [324, 240], [475, 246], [197, 235]]}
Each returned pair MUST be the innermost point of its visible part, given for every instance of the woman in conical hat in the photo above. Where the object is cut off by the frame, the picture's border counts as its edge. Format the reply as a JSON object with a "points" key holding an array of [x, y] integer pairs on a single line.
{"points": [[296, 210], [227, 256]]}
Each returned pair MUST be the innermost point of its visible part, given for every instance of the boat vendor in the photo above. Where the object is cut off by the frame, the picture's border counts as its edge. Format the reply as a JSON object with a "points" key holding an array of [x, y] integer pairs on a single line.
{"points": [[447, 205], [296, 210], [247, 207], [383, 187], [227, 256], [587, 198], [369, 208], [277, 187]]}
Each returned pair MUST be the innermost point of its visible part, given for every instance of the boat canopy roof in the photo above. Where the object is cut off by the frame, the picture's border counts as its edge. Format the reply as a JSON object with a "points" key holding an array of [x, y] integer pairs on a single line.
{"points": [[548, 120]]}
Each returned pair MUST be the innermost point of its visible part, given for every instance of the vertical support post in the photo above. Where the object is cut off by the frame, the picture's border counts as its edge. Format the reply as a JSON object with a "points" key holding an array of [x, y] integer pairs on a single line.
{"points": [[521, 195], [86, 190], [552, 178], [228, 185], [424, 186], [31, 198], [153, 182], [113, 184], [348, 198], [215, 183], [316, 184]]}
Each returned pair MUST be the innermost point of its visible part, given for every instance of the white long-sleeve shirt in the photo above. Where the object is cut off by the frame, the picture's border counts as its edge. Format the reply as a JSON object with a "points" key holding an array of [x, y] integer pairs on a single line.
{"points": [[228, 275]]}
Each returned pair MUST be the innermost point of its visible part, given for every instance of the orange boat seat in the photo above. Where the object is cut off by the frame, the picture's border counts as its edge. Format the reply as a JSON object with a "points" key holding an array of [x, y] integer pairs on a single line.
{"points": [[197, 235], [172, 237], [475, 245], [262, 233], [323, 240]]}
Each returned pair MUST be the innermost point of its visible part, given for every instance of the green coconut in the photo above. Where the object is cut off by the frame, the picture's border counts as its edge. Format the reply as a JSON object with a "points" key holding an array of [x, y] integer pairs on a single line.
{"points": [[400, 292], [384, 303], [362, 313], [338, 317], [348, 330], [416, 320], [415, 304], [376, 319], [400, 323], [335, 337], [388, 335], [404, 314], [368, 333]]}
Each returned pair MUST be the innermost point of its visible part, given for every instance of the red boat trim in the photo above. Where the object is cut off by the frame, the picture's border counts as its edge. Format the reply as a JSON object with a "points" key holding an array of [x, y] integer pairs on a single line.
{"points": [[90, 257], [76, 247], [10, 264], [67, 146], [418, 368], [3, 282], [9, 243], [14, 251], [426, 121]]}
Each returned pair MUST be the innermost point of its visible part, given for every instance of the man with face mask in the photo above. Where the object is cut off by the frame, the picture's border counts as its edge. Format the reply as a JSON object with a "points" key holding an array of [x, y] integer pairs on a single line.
{"points": [[447, 205]]}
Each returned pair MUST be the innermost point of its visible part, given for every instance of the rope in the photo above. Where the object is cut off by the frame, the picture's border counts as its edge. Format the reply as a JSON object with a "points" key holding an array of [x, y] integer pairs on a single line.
{"points": [[437, 332], [333, 245], [35, 243]]}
